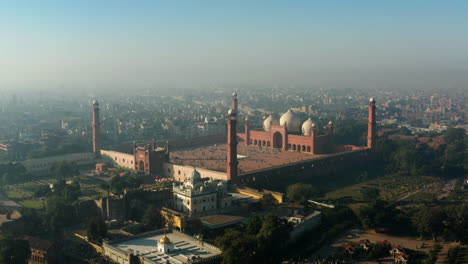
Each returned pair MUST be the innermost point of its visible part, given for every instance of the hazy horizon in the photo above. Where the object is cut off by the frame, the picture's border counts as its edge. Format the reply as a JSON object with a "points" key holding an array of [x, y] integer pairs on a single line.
{"points": [[196, 44]]}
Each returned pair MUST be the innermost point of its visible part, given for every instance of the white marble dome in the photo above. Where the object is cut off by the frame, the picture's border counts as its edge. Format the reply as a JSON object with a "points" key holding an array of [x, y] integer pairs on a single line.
{"points": [[292, 121], [195, 176], [268, 122], [307, 127]]}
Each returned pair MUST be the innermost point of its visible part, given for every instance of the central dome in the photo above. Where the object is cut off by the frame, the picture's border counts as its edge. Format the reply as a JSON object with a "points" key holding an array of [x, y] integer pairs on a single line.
{"points": [[291, 121], [268, 122]]}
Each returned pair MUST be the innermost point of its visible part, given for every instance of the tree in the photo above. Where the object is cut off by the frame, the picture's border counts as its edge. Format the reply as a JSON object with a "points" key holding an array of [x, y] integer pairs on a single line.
{"points": [[13, 172], [300, 193], [119, 184], [272, 238], [350, 131], [59, 213], [237, 247], [42, 191], [14, 251], [262, 242], [254, 225], [71, 192], [370, 194], [97, 229], [63, 169], [268, 200], [153, 218], [405, 131], [378, 252], [380, 215], [454, 135], [429, 220]]}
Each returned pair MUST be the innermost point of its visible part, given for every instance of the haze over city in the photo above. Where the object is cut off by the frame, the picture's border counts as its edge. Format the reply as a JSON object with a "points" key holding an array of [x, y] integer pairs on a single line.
{"points": [[90, 45]]}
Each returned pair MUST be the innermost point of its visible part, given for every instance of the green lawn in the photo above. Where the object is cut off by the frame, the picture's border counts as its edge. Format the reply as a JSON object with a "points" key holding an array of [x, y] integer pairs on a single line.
{"points": [[33, 204], [16, 194]]}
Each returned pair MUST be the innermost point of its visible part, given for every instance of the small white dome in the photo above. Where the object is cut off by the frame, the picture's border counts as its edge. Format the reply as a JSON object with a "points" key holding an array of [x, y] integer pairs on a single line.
{"points": [[330, 123], [268, 122], [372, 100], [95, 102], [195, 176], [291, 121], [307, 127]]}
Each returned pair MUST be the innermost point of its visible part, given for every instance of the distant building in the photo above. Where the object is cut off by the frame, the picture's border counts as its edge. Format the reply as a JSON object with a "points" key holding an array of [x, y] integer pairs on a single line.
{"points": [[42, 166]]}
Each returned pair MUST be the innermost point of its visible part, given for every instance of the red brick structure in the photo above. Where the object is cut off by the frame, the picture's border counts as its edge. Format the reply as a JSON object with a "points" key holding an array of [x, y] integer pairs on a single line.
{"points": [[231, 163], [149, 158], [371, 126], [96, 129], [101, 167]]}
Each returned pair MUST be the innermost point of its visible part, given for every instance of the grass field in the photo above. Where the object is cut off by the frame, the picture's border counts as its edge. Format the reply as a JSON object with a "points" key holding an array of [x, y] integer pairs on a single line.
{"points": [[33, 204], [16, 194], [22, 191]]}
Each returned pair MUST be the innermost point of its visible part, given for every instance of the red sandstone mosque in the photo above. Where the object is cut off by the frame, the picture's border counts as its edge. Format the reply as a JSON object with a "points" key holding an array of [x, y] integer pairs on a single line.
{"points": [[284, 146]]}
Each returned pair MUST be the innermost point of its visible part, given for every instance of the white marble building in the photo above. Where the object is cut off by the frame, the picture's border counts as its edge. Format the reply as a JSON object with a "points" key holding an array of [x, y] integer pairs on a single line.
{"points": [[196, 195]]}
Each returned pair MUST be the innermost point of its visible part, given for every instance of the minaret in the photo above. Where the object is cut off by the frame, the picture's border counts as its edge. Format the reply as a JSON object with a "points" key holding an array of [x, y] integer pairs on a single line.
{"points": [[231, 163], [313, 135], [331, 144], [371, 126], [96, 129], [247, 130], [330, 128]]}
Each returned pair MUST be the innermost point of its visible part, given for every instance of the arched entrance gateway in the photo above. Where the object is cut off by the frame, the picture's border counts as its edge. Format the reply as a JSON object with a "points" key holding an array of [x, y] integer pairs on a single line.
{"points": [[277, 140], [141, 166]]}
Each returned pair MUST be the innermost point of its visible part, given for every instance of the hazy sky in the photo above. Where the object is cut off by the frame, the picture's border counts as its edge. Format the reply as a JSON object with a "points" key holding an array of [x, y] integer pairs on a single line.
{"points": [[195, 43]]}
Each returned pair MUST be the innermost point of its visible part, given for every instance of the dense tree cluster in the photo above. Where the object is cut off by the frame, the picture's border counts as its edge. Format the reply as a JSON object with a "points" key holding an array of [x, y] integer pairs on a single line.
{"points": [[60, 208], [409, 157], [449, 222], [64, 169], [13, 251], [300, 192], [262, 241], [119, 183], [350, 131], [96, 229], [13, 173], [379, 214], [152, 218]]}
